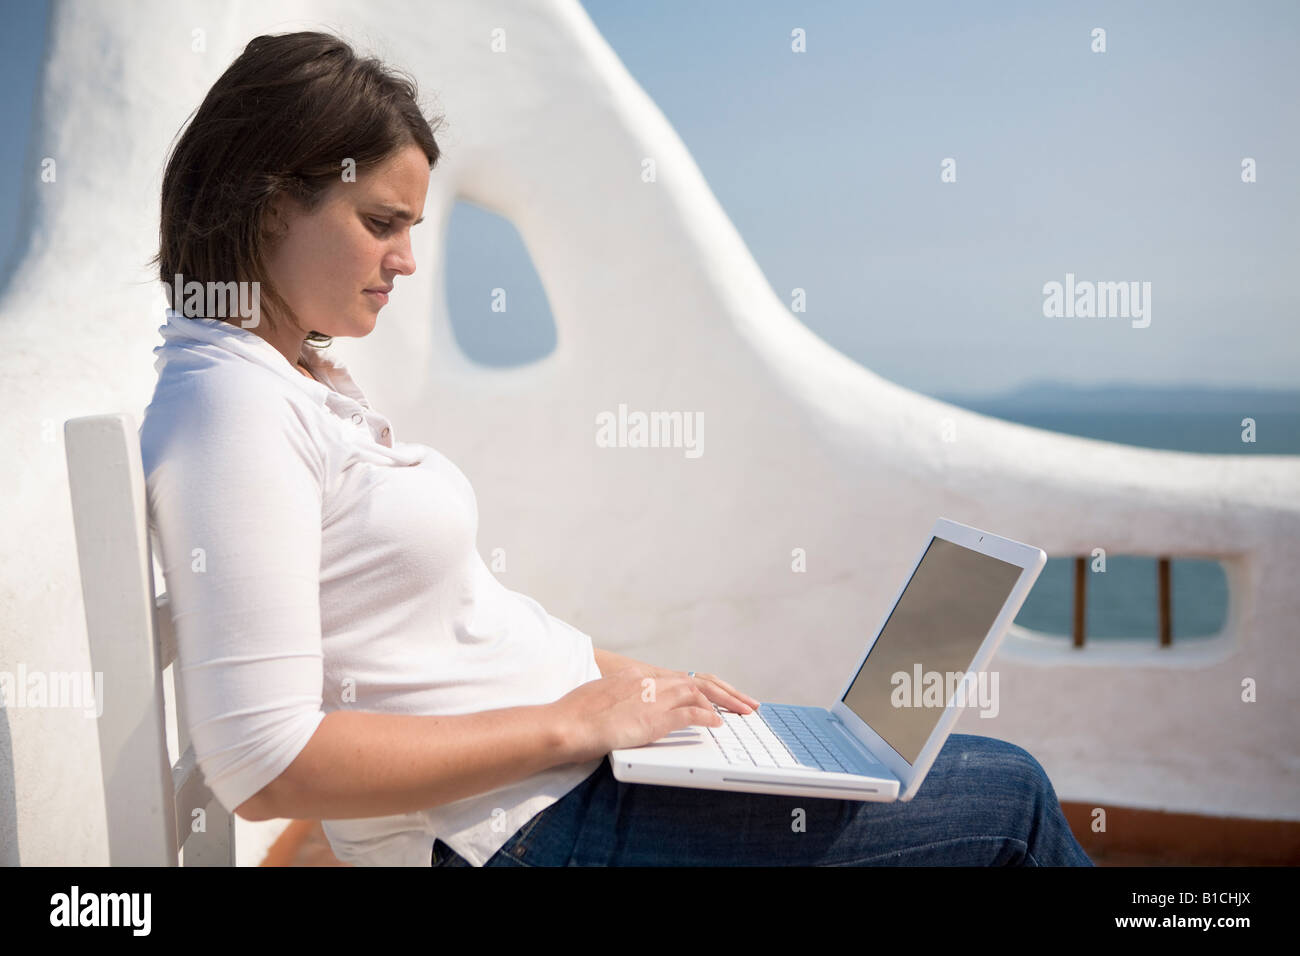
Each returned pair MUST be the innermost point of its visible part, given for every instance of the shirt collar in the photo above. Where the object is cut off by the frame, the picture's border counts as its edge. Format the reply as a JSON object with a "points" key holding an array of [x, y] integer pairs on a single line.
{"points": [[233, 338]]}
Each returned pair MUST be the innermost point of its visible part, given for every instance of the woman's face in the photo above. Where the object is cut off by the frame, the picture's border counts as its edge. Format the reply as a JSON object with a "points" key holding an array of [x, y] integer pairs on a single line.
{"points": [[359, 238]]}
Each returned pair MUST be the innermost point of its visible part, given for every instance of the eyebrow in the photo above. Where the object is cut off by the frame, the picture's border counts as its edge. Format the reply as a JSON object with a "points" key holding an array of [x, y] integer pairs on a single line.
{"points": [[400, 212]]}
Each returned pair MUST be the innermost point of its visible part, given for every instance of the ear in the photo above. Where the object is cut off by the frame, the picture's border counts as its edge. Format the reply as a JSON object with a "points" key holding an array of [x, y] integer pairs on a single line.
{"points": [[275, 224]]}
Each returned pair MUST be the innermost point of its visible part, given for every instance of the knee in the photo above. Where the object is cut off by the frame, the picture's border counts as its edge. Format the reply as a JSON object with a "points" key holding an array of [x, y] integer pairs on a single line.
{"points": [[1001, 762]]}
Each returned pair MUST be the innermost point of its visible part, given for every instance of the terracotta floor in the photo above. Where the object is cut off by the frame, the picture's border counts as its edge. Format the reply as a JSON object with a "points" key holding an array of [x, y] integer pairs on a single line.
{"points": [[303, 843]]}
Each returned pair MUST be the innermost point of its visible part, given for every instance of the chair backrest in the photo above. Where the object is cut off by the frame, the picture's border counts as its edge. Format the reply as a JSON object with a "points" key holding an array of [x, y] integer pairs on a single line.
{"points": [[150, 803]]}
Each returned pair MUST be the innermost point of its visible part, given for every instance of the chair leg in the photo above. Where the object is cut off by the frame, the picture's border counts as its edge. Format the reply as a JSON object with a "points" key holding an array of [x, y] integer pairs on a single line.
{"points": [[216, 845]]}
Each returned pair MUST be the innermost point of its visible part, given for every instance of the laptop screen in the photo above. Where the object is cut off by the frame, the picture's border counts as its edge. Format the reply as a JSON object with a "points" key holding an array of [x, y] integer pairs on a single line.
{"points": [[929, 641]]}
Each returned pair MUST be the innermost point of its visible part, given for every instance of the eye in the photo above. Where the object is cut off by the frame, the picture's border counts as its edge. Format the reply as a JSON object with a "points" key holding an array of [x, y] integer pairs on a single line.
{"points": [[379, 222]]}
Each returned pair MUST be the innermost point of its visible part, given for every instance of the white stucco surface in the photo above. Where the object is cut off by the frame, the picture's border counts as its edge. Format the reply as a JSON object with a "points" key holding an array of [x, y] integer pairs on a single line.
{"points": [[682, 561]]}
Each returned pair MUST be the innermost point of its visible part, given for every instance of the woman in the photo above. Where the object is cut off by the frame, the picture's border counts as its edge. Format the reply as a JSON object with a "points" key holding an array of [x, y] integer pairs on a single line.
{"points": [[344, 653]]}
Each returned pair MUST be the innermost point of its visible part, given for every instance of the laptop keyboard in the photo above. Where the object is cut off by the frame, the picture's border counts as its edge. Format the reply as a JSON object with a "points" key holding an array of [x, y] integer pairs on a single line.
{"points": [[778, 736]]}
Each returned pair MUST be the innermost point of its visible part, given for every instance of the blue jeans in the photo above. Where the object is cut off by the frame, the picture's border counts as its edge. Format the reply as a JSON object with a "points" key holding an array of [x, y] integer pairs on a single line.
{"points": [[985, 802]]}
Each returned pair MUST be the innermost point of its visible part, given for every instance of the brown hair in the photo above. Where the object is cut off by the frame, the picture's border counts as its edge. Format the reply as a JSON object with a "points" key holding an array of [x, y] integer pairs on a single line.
{"points": [[281, 120]]}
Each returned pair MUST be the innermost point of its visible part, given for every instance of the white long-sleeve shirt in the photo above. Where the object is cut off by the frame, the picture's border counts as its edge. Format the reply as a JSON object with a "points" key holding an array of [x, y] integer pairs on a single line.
{"points": [[313, 564]]}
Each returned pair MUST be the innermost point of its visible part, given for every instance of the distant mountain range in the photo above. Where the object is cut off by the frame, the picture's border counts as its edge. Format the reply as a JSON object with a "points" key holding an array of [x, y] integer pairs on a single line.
{"points": [[1055, 398]]}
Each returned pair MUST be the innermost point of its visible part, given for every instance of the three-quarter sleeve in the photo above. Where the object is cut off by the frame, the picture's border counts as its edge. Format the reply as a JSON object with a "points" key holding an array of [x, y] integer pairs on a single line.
{"points": [[235, 484]]}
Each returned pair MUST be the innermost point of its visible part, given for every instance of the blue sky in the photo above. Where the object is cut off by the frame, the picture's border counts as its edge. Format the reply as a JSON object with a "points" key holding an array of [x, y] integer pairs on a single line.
{"points": [[1115, 166]]}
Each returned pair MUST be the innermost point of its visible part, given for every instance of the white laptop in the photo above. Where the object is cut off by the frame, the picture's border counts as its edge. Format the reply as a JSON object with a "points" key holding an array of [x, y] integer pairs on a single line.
{"points": [[924, 662]]}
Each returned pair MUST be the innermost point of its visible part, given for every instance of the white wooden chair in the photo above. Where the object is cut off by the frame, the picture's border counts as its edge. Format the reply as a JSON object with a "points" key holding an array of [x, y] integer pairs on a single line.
{"points": [[150, 803]]}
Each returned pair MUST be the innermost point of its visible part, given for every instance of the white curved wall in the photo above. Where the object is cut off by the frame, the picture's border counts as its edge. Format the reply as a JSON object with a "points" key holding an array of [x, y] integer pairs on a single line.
{"points": [[658, 306]]}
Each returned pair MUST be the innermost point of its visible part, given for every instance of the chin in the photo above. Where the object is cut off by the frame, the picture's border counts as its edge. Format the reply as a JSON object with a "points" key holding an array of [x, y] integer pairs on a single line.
{"points": [[352, 327]]}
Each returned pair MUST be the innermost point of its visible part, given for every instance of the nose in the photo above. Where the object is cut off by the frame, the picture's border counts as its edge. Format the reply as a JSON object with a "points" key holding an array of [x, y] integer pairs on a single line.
{"points": [[402, 260]]}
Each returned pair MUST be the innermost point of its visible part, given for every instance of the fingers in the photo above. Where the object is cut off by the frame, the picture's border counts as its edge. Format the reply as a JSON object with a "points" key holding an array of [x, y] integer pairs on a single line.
{"points": [[697, 695], [700, 700], [750, 701], [693, 716], [692, 702], [720, 692], [675, 693], [704, 717]]}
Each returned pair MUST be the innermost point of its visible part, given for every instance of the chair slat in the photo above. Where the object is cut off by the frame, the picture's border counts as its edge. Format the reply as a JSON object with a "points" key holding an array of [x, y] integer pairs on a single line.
{"points": [[166, 631], [191, 793], [148, 802]]}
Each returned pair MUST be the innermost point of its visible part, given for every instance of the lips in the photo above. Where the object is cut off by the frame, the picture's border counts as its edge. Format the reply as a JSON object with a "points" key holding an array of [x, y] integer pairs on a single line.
{"points": [[380, 295]]}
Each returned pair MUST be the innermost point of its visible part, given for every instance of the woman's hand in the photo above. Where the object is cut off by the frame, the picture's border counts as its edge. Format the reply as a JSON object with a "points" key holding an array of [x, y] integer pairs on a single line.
{"points": [[637, 705], [717, 690], [714, 688]]}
